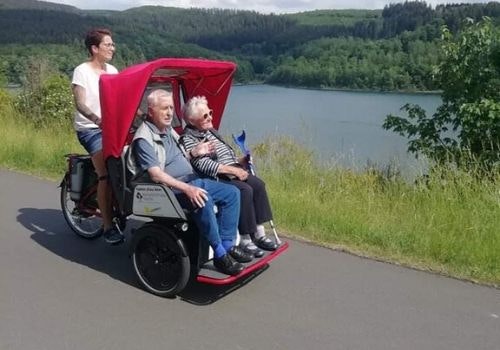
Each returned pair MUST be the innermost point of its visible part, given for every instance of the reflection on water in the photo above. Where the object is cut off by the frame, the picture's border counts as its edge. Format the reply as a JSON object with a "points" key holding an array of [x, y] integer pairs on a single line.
{"points": [[341, 127]]}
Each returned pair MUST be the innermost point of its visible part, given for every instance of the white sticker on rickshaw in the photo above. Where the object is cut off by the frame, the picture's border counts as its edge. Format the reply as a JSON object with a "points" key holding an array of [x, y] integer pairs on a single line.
{"points": [[151, 200]]}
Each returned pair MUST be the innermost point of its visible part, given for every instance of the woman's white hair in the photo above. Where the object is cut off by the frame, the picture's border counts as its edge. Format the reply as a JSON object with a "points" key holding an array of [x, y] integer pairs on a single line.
{"points": [[190, 108]]}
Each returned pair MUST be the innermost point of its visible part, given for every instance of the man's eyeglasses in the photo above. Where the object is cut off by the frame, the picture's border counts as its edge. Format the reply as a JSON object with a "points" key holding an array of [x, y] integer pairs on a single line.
{"points": [[209, 114], [108, 45]]}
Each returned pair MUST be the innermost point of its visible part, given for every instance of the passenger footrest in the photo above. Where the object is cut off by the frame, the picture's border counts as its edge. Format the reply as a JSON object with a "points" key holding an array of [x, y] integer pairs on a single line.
{"points": [[210, 275]]}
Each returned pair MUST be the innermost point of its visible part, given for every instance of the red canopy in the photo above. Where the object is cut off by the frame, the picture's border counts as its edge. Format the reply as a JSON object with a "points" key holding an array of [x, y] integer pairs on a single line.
{"points": [[121, 94]]}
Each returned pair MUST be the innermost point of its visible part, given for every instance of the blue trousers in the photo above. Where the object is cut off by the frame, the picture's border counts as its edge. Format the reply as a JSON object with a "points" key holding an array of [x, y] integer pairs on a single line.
{"points": [[220, 227]]}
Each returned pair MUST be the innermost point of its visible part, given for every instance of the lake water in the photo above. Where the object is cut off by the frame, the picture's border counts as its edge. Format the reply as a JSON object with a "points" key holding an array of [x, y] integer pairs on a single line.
{"points": [[339, 127]]}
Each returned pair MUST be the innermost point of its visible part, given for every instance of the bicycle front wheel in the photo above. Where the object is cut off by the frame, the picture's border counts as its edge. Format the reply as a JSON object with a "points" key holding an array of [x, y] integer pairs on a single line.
{"points": [[83, 220]]}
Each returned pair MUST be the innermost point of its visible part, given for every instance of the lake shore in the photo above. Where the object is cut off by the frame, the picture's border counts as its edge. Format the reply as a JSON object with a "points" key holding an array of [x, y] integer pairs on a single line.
{"points": [[415, 92]]}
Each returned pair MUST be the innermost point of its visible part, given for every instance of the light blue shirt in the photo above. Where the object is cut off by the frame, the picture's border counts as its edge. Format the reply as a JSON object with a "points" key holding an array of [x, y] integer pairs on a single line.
{"points": [[176, 164]]}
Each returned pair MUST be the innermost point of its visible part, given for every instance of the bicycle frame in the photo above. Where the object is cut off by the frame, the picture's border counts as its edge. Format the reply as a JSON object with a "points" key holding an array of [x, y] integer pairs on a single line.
{"points": [[80, 209], [87, 193]]}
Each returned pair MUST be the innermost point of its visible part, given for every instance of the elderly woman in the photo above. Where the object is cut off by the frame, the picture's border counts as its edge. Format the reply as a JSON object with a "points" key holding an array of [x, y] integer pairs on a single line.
{"points": [[225, 166]]}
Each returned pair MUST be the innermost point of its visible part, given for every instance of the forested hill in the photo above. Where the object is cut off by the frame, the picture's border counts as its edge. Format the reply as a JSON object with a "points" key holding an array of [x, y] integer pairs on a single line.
{"points": [[36, 5], [389, 49]]}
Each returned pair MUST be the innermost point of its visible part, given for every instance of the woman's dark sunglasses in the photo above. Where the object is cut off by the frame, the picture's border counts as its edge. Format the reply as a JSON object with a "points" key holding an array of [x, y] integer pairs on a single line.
{"points": [[209, 114]]}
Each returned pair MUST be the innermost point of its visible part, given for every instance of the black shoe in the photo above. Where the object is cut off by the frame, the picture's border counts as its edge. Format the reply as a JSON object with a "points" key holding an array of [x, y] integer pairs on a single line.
{"points": [[266, 244], [227, 265], [113, 236], [252, 249], [239, 255]]}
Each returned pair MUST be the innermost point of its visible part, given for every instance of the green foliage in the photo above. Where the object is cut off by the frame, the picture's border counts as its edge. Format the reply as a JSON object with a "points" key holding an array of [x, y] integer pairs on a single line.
{"points": [[334, 17], [46, 100], [3, 75], [28, 26], [403, 35], [6, 102], [35, 150], [359, 64], [453, 14], [34, 4], [57, 102], [466, 127], [20, 59]]}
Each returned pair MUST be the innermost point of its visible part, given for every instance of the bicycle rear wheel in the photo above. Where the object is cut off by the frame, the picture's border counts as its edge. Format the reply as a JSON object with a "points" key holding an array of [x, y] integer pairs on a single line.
{"points": [[82, 220]]}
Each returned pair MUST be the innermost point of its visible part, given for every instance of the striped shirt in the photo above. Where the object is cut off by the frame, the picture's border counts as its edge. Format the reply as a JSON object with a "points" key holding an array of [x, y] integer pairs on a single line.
{"points": [[208, 165]]}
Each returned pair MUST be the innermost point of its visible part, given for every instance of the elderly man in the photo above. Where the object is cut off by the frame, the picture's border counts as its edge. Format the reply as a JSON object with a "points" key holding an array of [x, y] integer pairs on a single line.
{"points": [[156, 154]]}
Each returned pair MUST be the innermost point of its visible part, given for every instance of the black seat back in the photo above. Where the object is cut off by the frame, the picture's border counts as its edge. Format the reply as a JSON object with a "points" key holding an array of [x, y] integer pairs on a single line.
{"points": [[118, 180]]}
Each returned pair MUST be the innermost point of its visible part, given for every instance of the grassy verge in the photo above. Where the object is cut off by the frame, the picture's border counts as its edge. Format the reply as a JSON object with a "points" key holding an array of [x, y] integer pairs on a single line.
{"points": [[36, 151], [449, 223]]}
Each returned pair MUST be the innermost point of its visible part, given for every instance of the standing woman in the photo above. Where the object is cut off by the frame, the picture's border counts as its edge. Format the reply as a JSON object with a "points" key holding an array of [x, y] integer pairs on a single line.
{"points": [[85, 86]]}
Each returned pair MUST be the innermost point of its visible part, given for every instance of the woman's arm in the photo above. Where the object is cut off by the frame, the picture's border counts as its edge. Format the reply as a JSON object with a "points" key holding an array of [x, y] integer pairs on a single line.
{"points": [[201, 162], [240, 173], [208, 166], [79, 96]]}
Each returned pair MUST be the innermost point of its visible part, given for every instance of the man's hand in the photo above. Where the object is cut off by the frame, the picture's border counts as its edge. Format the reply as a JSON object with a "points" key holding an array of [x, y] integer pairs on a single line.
{"points": [[198, 196]]}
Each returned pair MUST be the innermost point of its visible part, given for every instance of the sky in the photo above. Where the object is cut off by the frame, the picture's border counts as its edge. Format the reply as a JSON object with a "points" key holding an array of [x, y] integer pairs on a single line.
{"points": [[262, 6]]}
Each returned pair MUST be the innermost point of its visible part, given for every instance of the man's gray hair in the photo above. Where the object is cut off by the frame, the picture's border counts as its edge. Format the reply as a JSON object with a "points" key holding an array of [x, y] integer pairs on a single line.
{"points": [[156, 95], [190, 108]]}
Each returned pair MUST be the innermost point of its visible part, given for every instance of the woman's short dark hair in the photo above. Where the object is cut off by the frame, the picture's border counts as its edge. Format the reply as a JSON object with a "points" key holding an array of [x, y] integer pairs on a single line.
{"points": [[94, 37]]}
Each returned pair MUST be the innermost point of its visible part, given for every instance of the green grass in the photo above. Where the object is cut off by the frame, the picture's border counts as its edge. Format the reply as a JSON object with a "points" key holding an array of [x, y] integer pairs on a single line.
{"points": [[38, 151], [448, 223]]}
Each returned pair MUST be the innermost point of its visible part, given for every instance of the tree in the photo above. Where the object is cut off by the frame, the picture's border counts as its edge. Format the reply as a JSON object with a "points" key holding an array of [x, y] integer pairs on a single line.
{"points": [[469, 76]]}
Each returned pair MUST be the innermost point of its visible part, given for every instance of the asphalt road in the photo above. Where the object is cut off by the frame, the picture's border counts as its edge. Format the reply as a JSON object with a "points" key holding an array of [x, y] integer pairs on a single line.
{"points": [[58, 291]]}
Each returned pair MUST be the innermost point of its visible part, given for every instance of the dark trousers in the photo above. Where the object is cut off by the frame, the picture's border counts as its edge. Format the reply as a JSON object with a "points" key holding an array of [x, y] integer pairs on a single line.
{"points": [[254, 206]]}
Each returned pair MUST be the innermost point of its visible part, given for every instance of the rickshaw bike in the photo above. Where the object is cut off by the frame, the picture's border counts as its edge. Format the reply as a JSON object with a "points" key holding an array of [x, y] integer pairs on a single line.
{"points": [[166, 250]]}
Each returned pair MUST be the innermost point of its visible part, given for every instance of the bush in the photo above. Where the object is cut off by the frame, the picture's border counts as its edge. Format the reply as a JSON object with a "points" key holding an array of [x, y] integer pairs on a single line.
{"points": [[6, 101], [48, 105], [469, 76]]}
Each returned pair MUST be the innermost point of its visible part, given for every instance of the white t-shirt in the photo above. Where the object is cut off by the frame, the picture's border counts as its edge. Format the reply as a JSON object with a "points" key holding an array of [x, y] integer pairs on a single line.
{"points": [[87, 78]]}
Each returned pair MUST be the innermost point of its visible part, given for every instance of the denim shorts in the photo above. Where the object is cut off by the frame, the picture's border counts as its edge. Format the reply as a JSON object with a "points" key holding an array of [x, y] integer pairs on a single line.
{"points": [[91, 140]]}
